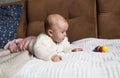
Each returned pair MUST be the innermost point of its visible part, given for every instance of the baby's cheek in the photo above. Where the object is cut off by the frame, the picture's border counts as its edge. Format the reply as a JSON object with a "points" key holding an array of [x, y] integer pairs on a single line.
{"points": [[63, 38]]}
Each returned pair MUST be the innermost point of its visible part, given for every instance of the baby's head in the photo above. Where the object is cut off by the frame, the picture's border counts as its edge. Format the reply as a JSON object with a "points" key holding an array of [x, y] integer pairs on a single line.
{"points": [[56, 27]]}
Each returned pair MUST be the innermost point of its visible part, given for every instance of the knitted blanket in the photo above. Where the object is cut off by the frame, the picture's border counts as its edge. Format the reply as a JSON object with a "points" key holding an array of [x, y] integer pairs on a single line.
{"points": [[11, 63]]}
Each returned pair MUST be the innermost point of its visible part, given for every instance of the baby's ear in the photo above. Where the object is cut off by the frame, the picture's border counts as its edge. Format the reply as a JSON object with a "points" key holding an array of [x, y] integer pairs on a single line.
{"points": [[50, 32]]}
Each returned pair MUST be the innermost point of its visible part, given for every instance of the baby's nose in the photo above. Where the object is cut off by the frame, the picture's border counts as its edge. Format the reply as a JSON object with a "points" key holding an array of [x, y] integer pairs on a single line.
{"points": [[65, 35]]}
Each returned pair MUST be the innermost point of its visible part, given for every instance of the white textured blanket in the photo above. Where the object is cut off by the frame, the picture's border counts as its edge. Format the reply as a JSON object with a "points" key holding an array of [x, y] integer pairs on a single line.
{"points": [[86, 64], [11, 63]]}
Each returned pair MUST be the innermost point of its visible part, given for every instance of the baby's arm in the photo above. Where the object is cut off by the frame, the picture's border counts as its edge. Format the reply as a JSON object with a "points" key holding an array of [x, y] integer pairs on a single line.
{"points": [[43, 50], [69, 47], [46, 54], [23, 44]]}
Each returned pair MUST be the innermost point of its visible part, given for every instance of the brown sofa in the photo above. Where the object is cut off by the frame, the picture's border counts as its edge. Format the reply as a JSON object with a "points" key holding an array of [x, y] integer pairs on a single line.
{"points": [[81, 15], [87, 18]]}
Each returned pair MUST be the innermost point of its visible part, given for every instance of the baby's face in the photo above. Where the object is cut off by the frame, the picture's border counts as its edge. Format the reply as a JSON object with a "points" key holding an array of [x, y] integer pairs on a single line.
{"points": [[59, 31]]}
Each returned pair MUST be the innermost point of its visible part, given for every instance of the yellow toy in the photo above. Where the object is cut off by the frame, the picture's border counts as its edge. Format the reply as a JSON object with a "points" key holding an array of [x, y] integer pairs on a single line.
{"points": [[104, 48]]}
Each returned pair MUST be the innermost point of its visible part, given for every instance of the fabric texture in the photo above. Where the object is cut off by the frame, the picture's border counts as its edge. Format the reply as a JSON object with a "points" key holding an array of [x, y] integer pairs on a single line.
{"points": [[6, 1], [11, 63], [9, 22], [22, 28]]}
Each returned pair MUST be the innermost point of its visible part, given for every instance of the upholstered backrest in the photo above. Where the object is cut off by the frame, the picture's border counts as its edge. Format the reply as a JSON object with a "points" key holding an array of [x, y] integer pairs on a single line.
{"points": [[81, 15], [108, 18]]}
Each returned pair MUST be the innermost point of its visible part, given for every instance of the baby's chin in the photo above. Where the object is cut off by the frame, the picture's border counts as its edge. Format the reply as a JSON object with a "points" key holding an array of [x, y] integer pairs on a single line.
{"points": [[58, 41]]}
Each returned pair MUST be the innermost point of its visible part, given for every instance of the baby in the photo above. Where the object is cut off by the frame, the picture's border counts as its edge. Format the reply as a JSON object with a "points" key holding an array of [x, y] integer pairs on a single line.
{"points": [[48, 45]]}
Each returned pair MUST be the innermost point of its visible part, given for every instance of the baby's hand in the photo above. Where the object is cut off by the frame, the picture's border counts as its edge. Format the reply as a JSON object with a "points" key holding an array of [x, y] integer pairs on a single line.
{"points": [[56, 58], [77, 49], [13, 47]]}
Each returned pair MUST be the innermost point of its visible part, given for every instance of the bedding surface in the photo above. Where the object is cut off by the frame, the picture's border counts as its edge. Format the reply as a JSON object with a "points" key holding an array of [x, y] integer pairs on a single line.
{"points": [[11, 63], [85, 64]]}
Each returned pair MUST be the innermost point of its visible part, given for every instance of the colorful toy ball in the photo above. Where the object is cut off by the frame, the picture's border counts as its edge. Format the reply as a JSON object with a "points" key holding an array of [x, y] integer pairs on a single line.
{"points": [[103, 48]]}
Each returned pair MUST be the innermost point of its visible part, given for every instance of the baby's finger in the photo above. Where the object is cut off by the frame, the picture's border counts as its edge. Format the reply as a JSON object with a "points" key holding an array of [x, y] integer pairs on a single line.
{"points": [[60, 57], [80, 49]]}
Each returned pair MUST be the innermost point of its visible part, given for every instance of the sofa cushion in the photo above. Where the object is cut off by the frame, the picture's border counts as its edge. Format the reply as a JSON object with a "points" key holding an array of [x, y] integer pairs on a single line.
{"points": [[21, 30], [9, 22], [81, 15], [109, 18]]}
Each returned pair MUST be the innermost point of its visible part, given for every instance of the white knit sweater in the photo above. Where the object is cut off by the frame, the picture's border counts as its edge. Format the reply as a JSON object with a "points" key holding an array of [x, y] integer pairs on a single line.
{"points": [[44, 47]]}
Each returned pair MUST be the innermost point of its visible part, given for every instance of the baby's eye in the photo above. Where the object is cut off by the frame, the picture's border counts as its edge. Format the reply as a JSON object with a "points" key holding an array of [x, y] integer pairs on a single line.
{"points": [[63, 32]]}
